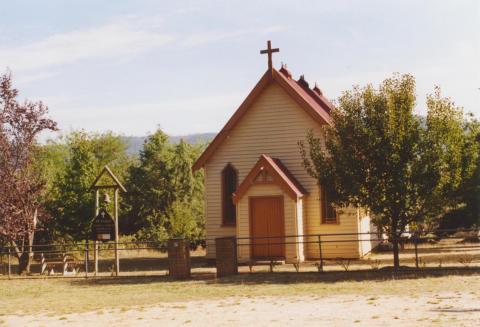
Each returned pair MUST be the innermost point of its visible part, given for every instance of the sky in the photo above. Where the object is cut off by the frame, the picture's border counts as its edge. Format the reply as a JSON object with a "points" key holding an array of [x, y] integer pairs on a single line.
{"points": [[185, 66]]}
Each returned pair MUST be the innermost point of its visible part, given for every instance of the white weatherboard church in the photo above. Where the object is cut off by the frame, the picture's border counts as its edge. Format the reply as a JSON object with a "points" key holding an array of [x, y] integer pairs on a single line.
{"points": [[256, 185]]}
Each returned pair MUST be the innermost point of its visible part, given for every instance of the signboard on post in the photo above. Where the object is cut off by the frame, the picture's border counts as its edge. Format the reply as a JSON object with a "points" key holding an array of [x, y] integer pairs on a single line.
{"points": [[103, 227]]}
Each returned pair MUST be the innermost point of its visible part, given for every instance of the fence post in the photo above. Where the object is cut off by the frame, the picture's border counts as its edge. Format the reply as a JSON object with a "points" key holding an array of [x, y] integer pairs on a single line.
{"points": [[95, 257], [86, 259], [226, 256], [178, 258], [415, 242], [9, 263], [320, 267]]}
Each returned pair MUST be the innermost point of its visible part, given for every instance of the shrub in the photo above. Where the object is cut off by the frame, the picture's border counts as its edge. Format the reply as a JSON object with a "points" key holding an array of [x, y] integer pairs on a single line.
{"points": [[375, 264], [466, 259], [383, 247]]}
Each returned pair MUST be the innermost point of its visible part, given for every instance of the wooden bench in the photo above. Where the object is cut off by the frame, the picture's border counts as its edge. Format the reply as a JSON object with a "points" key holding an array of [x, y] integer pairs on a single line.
{"points": [[60, 261]]}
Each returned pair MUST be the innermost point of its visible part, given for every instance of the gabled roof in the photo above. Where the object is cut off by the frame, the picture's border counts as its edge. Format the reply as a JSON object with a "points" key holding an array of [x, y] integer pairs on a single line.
{"points": [[280, 174], [311, 100], [116, 182]]}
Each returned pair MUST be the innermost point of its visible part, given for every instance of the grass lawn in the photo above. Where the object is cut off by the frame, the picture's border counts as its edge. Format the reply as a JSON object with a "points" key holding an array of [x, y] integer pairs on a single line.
{"points": [[62, 296]]}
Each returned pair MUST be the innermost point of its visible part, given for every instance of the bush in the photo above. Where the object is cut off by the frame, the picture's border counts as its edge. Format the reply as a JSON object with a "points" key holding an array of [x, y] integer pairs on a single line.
{"points": [[430, 238], [465, 234], [383, 247], [455, 219], [470, 239], [180, 222]]}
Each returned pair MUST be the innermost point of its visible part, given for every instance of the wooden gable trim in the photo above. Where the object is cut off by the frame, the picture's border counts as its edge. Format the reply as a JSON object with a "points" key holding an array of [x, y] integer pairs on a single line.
{"points": [[112, 176], [252, 96], [283, 180], [267, 78]]}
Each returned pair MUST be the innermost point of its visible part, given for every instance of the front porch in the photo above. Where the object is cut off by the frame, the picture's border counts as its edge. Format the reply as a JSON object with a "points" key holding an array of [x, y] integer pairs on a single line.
{"points": [[269, 204]]}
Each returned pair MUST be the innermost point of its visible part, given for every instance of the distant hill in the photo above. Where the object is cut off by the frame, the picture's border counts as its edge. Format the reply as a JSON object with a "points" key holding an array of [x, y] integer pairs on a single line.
{"points": [[135, 143]]}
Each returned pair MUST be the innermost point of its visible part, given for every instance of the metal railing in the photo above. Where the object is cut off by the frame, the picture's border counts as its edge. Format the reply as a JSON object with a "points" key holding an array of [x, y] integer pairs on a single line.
{"points": [[87, 259], [326, 252], [420, 248]]}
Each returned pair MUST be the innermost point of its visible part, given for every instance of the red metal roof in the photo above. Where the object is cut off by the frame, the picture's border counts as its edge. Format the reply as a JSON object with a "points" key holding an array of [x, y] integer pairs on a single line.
{"points": [[314, 97]]}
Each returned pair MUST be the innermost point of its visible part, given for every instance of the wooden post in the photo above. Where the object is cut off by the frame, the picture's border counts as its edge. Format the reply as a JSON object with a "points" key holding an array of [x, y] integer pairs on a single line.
{"points": [[115, 209], [86, 259], [416, 251], [9, 263], [116, 186], [320, 267], [95, 242]]}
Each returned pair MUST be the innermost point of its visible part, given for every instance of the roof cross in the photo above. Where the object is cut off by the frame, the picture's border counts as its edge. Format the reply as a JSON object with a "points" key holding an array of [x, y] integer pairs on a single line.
{"points": [[269, 51]]}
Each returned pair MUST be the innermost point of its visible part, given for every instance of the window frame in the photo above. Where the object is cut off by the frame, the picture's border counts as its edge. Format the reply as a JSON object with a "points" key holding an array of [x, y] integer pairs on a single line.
{"points": [[228, 222], [323, 210]]}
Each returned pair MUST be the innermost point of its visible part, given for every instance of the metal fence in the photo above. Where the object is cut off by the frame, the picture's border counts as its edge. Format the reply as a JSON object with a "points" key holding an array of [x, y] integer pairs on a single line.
{"points": [[87, 259], [322, 252], [354, 251]]}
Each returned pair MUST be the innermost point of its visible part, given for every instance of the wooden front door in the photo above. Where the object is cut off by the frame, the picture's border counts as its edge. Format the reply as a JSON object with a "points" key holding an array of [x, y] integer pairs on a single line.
{"points": [[267, 227]]}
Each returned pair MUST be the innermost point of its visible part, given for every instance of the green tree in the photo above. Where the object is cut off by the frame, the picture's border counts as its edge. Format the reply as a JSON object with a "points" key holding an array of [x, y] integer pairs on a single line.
{"points": [[183, 177], [49, 162], [470, 189], [467, 213], [149, 185], [72, 202], [381, 156], [165, 197]]}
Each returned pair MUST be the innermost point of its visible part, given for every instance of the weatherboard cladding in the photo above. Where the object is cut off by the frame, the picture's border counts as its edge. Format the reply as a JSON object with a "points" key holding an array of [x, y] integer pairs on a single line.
{"points": [[271, 121], [273, 126], [316, 105]]}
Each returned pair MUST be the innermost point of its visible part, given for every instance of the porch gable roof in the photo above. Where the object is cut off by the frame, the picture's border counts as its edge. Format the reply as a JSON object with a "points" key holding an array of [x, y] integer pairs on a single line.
{"points": [[280, 174]]}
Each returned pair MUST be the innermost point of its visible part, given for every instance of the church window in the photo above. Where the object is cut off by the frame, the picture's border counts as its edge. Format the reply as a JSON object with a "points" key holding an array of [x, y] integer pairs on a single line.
{"points": [[328, 211], [229, 186]]}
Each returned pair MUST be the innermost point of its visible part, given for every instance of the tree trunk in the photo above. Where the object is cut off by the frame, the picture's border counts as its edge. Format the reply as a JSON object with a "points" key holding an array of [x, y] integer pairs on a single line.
{"points": [[396, 257], [24, 263], [394, 239], [26, 257]]}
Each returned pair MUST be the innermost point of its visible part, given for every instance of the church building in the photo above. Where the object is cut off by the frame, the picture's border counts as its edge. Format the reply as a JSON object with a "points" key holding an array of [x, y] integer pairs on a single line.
{"points": [[256, 187]]}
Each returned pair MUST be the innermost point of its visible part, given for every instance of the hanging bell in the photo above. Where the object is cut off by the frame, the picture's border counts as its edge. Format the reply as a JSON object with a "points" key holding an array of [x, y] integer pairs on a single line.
{"points": [[106, 198]]}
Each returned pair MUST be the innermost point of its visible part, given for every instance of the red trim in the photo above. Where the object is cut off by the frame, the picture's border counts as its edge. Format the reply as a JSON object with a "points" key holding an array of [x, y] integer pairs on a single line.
{"points": [[318, 107], [280, 174]]}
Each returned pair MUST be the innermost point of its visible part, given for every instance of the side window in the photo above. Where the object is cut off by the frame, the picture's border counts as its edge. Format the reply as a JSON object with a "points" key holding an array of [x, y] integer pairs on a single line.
{"points": [[329, 214], [229, 186]]}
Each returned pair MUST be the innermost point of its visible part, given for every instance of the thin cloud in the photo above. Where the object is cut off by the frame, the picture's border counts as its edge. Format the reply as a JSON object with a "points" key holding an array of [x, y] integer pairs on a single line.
{"points": [[215, 36], [147, 115], [26, 78], [112, 40]]}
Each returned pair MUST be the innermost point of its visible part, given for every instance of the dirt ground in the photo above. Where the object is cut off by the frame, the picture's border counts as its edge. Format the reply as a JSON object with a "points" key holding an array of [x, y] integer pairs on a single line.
{"points": [[439, 309], [438, 297]]}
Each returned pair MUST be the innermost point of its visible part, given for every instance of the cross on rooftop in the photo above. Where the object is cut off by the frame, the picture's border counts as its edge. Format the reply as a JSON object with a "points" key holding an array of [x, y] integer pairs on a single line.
{"points": [[269, 51]]}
